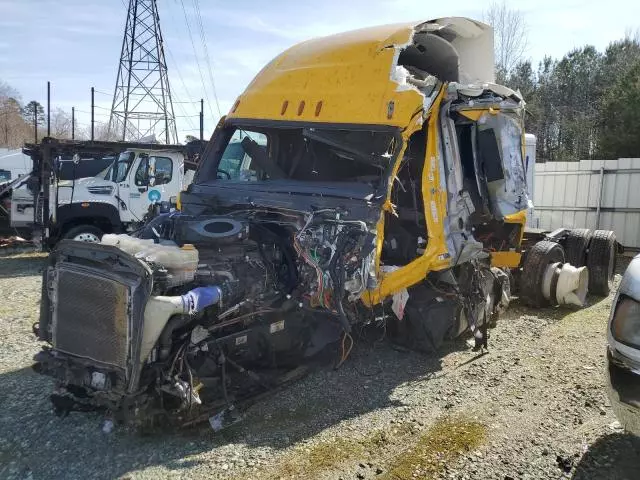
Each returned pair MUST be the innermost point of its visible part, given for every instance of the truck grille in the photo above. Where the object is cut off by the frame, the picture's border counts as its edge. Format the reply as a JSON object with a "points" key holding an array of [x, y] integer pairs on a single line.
{"points": [[90, 317]]}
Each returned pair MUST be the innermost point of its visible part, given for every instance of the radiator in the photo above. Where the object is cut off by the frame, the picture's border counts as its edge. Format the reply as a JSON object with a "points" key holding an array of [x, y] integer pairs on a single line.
{"points": [[90, 316]]}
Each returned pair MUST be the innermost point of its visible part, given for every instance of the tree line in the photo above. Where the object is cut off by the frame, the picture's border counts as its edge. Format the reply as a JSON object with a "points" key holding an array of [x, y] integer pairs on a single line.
{"points": [[17, 121], [585, 105]]}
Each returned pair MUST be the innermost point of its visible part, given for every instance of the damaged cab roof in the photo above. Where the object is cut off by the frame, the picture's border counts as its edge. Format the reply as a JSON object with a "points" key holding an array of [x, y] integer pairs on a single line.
{"points": [[304, 83]]}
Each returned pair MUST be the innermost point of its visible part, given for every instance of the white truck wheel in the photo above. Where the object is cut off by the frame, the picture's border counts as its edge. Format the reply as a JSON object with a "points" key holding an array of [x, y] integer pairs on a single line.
{"points": [[84, 233]]}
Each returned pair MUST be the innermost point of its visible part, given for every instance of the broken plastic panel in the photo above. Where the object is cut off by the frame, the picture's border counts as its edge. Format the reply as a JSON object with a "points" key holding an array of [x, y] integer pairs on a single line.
{"points": [[500, 150], [452, 49]]}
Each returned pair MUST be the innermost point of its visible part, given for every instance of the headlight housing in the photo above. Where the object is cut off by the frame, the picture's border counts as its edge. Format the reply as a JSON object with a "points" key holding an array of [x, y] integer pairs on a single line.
{"points": [[101, 190], [625, 326]]}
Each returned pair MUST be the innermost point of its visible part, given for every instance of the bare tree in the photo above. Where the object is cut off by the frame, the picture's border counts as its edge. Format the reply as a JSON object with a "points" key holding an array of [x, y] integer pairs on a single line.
{"points": [[7, 91], [14, 131], [102, 132], [510, 37], [60, 124]]}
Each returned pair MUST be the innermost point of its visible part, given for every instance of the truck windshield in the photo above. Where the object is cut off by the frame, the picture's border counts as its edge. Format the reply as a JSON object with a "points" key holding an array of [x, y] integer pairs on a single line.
{"points": [[302, 154], [118, 170]]}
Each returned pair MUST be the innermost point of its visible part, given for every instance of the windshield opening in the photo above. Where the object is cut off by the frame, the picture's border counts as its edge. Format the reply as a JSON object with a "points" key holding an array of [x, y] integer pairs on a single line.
{"points": [[302, 154], [119, 169]]}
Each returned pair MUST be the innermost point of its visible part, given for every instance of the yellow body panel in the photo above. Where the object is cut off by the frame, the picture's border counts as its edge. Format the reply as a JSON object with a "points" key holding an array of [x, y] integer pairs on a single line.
{"points": [[505, 259], [435, 256], [511, 259], [344, 78], [349, 79], [475, 114], [518, 217]]}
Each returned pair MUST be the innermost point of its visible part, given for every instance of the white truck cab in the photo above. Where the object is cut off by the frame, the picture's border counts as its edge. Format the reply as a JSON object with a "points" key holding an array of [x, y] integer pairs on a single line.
{"points": [[117, 199], [135, 180]]}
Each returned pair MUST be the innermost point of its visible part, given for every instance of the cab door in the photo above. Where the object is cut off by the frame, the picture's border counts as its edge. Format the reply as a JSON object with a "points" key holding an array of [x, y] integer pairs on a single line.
{"points": [[154, 178]]}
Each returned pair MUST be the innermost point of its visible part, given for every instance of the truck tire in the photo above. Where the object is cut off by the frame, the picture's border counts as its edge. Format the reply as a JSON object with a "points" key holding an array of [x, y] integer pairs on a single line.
{"points": [[601, 262], [541, 255], [84, 233], [576, 245]]}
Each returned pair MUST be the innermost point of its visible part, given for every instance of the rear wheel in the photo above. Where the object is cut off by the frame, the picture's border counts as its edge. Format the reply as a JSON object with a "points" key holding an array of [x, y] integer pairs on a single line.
{"points": [[84, 233], [538, 258], [576, 246], [601, 262]]}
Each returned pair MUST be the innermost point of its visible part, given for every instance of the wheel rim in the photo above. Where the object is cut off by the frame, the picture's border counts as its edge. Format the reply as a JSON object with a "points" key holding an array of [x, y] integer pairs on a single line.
{"points": [[86, 237]]}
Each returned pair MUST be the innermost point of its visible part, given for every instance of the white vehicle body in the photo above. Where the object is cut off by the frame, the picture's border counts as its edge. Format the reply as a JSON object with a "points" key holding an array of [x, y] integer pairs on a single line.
{"points": [[21, 207], [117, 199], [137, 179]]}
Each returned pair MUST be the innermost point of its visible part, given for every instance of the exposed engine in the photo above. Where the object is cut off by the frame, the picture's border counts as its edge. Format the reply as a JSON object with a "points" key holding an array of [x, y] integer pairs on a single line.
{"points": [[209, 312]]}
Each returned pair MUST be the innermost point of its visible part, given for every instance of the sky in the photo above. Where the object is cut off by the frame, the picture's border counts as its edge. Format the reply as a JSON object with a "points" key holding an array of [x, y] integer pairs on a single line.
{"points": [[76, 44]]}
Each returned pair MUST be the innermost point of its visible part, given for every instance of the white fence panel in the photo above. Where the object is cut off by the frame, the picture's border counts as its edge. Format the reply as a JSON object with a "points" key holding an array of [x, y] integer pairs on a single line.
{"points": [[596, 194]]}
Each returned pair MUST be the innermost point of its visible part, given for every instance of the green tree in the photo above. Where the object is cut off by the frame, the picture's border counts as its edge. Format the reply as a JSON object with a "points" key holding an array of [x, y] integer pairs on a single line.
{"points": [[523, 79], [546, 114], [30, 108], [579, 86], [620, 56], [620, 116]]}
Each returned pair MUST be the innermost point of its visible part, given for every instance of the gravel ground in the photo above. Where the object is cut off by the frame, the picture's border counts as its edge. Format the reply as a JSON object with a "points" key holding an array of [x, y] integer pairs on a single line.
{"points": [[533, 407]]}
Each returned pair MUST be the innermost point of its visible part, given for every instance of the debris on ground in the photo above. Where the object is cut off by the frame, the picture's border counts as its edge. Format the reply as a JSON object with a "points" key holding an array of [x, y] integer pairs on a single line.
{"points": [[14, 241], [520, 407]]}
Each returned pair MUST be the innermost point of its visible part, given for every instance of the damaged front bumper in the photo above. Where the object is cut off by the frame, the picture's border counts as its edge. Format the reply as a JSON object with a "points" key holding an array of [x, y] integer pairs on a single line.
{"points": [[623, 389], [82, 386]]}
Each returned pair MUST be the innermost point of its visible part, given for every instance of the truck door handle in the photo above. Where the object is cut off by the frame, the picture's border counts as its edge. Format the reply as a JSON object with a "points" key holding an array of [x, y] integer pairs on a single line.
{"points": [[142, 189]]}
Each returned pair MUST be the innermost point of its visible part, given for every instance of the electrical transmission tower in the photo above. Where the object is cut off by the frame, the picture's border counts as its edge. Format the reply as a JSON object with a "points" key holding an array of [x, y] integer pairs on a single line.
{"points": [[142, 105]]}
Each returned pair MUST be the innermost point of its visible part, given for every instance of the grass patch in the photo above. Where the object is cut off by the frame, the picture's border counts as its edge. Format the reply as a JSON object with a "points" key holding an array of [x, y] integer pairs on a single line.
{"points": [[319, 457], [441, 444], [329, 454]]}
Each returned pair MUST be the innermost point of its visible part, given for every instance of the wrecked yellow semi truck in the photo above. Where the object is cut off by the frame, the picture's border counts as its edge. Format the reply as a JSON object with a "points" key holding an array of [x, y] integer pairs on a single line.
{"points": [[372, 178]]}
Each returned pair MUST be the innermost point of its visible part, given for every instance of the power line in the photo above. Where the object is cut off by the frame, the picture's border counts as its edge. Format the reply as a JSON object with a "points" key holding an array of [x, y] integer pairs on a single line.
{"points": [[184, 115], [180, 104], [193, 45], [179, 75], [196, 4]]}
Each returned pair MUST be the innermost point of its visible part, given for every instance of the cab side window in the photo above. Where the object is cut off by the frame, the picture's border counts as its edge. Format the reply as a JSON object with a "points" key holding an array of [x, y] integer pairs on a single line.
{"points": [[163, 169], [154, 171], [141, 172]]}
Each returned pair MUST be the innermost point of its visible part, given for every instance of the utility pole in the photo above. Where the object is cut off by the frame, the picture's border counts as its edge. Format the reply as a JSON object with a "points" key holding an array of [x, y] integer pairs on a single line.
{"points": [[35, 123], [142, 103], [73, 123], [201, 119], [93, 104], [48, 109]]}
